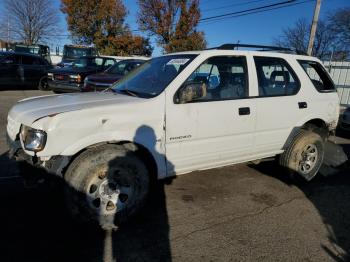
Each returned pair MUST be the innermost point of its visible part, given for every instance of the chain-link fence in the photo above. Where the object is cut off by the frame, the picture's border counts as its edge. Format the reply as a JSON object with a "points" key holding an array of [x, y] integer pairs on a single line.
{"points": [[340, 73]]}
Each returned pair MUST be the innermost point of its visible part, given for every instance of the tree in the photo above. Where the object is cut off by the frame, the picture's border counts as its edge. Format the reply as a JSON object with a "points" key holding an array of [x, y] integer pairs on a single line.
{"points": [[340, 25], [31, 21], [102, 22], [173, 22], [297, 37]]}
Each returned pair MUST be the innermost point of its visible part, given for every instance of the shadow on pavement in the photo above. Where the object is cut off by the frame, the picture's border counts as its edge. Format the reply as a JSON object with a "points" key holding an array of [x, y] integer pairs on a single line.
{"points": [[331, 197], [35, 224]]}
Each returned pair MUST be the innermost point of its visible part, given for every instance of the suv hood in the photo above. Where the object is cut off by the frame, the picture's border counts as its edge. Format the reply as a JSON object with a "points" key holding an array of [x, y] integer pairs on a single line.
{"points": [[29, 110]]}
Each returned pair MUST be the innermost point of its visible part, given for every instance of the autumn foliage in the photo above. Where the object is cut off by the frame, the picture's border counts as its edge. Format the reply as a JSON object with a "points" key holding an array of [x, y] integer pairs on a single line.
{"points": [[102, 22], [173, 22]]}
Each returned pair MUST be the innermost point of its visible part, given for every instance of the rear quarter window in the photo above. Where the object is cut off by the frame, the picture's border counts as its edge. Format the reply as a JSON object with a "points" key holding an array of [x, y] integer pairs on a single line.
{"points": [[318, 76]]}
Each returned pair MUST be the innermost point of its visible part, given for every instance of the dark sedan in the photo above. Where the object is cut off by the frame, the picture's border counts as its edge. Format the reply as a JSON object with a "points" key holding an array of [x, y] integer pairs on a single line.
{"points": [[21, 69], [101, 81], [71, 78]]}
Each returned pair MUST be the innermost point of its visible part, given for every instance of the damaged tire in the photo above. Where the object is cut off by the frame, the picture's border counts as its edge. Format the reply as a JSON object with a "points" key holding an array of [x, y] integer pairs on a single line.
{"points": [[304, 155], [106, 184]]}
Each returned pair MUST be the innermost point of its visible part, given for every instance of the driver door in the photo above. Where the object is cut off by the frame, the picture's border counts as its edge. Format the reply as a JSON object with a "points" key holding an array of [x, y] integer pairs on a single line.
{"points": [[216, 129]]}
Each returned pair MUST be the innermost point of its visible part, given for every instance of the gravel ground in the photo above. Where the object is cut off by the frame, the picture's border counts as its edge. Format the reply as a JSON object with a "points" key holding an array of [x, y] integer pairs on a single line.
{"points": [[238, 213]]}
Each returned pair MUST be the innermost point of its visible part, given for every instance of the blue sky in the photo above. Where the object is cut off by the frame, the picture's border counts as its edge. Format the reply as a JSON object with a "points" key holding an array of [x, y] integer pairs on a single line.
{"points": [[260, 28]]}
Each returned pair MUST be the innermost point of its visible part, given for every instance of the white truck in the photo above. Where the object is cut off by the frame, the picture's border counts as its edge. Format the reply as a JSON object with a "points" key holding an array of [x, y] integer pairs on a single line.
{"points": [[175, 114]]}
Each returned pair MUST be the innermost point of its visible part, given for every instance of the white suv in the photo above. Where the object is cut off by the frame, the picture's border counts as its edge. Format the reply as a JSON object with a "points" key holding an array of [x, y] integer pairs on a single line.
{"points": [[175, 114]]}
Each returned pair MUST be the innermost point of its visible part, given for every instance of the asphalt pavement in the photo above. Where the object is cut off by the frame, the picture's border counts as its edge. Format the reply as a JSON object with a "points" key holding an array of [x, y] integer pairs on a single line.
{"points": [[244, 212]]}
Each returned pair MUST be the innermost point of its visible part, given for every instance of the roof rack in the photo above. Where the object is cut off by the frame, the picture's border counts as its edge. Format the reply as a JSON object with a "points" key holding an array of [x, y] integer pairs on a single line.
{"points": [[260, 48]]}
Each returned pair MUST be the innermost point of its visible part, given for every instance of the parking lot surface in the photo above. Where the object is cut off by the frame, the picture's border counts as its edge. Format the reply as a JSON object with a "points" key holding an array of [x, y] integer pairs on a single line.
{"points": [[239, 213]]}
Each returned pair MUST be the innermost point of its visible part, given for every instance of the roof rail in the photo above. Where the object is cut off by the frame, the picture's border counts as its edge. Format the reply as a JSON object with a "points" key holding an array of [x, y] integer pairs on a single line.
{"points": [[260, 47]]}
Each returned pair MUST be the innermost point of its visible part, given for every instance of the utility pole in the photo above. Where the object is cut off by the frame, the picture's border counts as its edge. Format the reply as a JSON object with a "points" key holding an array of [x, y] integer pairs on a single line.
{"points": [[314, 27], [8, 30]]}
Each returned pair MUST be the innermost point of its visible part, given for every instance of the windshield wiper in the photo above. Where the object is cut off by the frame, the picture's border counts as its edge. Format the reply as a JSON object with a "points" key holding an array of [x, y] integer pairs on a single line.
{"points": [[129, 92]]}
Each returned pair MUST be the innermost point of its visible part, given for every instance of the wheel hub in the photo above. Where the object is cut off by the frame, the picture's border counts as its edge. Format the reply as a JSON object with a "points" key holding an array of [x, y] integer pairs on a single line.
{"points": [[309, 156], [109, 193]]}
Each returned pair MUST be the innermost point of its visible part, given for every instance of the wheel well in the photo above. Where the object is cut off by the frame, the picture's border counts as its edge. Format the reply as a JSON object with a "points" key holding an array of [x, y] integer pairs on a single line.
{"points": [[141, 151], [321, 127], [316, 122]]}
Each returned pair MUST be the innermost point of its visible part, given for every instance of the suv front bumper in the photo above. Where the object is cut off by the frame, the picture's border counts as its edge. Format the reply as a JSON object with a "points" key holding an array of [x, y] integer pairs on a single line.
{"points": [[64, 86], [55, 165]]}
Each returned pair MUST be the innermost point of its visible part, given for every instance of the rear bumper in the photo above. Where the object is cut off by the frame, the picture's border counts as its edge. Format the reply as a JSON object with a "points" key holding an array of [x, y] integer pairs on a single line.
{"points": [[64, 87]]}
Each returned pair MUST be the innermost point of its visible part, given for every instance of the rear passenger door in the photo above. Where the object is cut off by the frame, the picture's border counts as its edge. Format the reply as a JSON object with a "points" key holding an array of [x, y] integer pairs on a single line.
{"points": [[277, 104]]}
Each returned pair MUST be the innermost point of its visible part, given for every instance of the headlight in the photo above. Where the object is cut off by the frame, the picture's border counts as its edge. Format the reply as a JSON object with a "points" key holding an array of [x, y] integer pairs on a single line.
{"points": [[75, 78], [33, 139], [50, 76]]}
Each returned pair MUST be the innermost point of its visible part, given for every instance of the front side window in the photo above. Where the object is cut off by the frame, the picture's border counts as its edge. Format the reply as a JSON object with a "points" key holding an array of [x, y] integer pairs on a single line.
{"points": [[318, 76], [222, 78], [152, 77], [275, 77]]}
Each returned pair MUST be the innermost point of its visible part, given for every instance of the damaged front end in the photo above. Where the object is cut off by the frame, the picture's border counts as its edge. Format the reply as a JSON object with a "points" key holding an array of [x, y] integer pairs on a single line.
{"points": [[34, 167]]}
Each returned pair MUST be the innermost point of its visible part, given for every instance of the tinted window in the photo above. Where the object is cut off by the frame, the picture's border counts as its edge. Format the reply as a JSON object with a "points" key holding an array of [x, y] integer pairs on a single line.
{"points": [[11, 59], [223, 78], [123, 67], [275, 77], [318, 75], [109, 62]]}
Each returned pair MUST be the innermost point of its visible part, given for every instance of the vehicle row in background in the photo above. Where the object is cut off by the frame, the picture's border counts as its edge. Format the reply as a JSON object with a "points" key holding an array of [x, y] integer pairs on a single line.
{"points": [[71, 78], [23, 69], [101, 81]]}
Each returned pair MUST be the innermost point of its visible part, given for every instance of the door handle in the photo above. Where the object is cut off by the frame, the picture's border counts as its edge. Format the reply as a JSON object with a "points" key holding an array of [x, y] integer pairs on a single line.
{"points": [[302, 105], [244, 111]]}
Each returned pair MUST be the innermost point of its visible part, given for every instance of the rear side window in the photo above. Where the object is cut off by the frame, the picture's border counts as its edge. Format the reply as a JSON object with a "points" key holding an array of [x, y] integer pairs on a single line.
{"points": [[318, 76], [275, 77]]}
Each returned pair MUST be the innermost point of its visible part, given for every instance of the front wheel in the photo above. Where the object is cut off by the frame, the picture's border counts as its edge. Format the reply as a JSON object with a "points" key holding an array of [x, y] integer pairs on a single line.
{"points": [[304, 155], [106, 184]]}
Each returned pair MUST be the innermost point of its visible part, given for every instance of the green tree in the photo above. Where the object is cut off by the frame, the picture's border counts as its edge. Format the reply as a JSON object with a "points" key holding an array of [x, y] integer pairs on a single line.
{"points": [[102, 23], [173, 22]]}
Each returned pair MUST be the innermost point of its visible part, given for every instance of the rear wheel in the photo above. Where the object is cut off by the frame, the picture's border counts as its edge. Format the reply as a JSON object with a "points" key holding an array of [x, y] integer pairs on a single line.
{"points": [[304, 155], [107, 184], [43, 84]]}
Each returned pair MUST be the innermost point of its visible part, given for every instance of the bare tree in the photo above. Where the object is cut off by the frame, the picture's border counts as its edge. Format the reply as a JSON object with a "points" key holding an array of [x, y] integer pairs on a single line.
{"points": [[31, 20], [340, 25], [297, 37]]}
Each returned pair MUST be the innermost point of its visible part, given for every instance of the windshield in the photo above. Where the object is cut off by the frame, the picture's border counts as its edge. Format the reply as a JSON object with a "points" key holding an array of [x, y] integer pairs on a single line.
{"points": [[87, 62], [123, 67], [151, 78], [75, 52]]}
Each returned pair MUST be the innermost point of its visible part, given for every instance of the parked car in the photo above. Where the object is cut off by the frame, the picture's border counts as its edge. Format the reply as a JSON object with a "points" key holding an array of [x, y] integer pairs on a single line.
{"points": [[101, 81], [71, 53], [22, 69], [71, 78], [344, 121], [166, 119]]}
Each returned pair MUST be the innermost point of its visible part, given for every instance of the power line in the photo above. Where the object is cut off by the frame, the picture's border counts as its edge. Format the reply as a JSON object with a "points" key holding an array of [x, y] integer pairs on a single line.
{"points": [[231, 5], [247, 10], [239, 14]]}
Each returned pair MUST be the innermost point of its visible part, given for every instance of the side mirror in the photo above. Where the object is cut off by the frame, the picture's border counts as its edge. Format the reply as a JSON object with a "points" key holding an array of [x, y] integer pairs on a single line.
{"points": [[191, 91]]}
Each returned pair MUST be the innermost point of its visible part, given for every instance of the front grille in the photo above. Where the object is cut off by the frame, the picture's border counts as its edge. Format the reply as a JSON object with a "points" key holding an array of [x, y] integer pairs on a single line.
{"points": [[61, 77]]}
